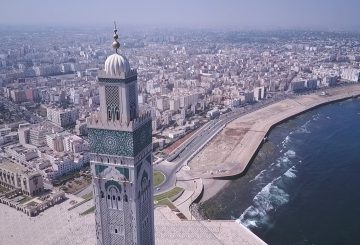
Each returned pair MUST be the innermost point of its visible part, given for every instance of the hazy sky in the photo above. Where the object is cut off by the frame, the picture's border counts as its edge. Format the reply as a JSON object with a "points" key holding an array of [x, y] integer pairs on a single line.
{"points": [[325, 14]]}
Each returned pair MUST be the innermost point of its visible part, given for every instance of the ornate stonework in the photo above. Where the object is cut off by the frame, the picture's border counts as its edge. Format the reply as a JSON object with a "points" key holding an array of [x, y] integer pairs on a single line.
{"points": [[121, 163], [121, 143]]}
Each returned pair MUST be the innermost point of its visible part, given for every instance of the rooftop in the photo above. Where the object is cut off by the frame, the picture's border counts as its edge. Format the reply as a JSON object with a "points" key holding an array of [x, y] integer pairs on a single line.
{"points": [[11, 166]]}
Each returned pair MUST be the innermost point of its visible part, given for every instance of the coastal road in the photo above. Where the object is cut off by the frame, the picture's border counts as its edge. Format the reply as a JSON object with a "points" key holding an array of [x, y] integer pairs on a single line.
{"points": [[183, 154]]}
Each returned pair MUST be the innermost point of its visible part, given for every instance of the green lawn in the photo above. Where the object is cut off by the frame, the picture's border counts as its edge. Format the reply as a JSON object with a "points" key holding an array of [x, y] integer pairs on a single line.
{"points": [[89, 211], [31, 204], [62, 180], [88, 196], [166, 202], [169, 194], [26, 199], [159, 178]]}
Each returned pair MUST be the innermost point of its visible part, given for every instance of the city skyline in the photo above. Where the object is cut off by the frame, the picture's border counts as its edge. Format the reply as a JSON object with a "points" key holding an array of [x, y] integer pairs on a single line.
{"points": [[178, 122], [243, 14]]}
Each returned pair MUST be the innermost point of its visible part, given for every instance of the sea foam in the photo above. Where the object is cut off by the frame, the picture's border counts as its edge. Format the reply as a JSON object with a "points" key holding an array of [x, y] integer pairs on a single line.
{"points": [[259, 176], [304, 129], [291, 172], [268, 199], [290, 154], [286, 141]]}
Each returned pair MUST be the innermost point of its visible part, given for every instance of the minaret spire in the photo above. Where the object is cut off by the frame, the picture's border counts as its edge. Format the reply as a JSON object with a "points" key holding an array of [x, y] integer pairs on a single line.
{"points": [[115, 44], [121, 162]]}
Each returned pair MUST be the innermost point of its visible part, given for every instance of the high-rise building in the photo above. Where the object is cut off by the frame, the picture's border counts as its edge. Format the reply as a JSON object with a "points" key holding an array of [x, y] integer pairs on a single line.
{"points": [[259, 93], [350, 74], [63, 117], [37, 135], [121, 162]]}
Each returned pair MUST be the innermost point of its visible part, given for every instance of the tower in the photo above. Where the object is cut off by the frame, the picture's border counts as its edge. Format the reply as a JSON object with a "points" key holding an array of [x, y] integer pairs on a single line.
{"points": [[121, 162]]}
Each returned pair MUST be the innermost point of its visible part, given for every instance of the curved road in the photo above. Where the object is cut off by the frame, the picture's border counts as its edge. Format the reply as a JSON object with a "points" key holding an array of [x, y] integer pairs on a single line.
{"points": [[180, 157]]}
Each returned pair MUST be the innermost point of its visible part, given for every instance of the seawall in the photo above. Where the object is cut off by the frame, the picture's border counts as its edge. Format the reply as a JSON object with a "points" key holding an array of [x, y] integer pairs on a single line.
{"points": [[253, 128]]}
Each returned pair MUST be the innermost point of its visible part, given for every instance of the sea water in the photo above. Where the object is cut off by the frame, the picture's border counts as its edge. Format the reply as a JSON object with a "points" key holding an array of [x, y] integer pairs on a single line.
{"points": [[303, 185]]}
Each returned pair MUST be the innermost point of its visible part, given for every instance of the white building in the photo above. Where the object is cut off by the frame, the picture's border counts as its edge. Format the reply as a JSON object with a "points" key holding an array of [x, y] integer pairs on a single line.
{"points": [[13, 175], [24, 135], [34, 134], [55, 142], [37, 135], [176, 134], [259, 93], [75, 144], [81, 127], [163, 104], [174, 104], [63, 117], [6, 136], [21, 154], [330, 81], [12, 137], [5, 131], [63, 163], [213, 113], [352, 75]]}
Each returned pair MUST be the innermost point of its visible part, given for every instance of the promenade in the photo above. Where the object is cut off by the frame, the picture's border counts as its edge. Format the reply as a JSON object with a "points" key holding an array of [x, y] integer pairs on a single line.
{"points": [[232, 150]]}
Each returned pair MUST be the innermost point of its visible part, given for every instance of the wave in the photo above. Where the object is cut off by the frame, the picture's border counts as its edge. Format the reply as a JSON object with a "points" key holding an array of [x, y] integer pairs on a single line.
{"points": [[291, 172], [304, 129], [268, 199], [286, 141], [258, 176], [290, 154], [316, 117], [285, 159]]}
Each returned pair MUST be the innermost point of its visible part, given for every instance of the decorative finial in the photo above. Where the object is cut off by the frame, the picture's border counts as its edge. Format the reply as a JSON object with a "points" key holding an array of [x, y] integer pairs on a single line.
{"points": [[115, 44]]}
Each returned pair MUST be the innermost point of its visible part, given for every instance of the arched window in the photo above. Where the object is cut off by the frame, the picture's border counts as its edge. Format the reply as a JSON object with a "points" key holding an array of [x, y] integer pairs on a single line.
{"points": [[119, 203], [102, 194], [109, 112], [117, 112], [113, 193], [113, 114]]}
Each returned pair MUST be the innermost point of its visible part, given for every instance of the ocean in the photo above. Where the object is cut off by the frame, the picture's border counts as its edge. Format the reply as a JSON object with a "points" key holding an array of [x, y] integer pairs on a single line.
{"points": [[303, 185]]}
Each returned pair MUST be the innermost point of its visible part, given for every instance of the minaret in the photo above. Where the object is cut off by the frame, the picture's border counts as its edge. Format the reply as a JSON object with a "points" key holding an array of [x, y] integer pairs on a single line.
{"points": [[121, 158]]}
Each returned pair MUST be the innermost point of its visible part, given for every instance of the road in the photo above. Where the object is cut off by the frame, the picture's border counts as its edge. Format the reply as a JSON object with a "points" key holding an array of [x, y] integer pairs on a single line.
{"points": [[180, 157]]}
